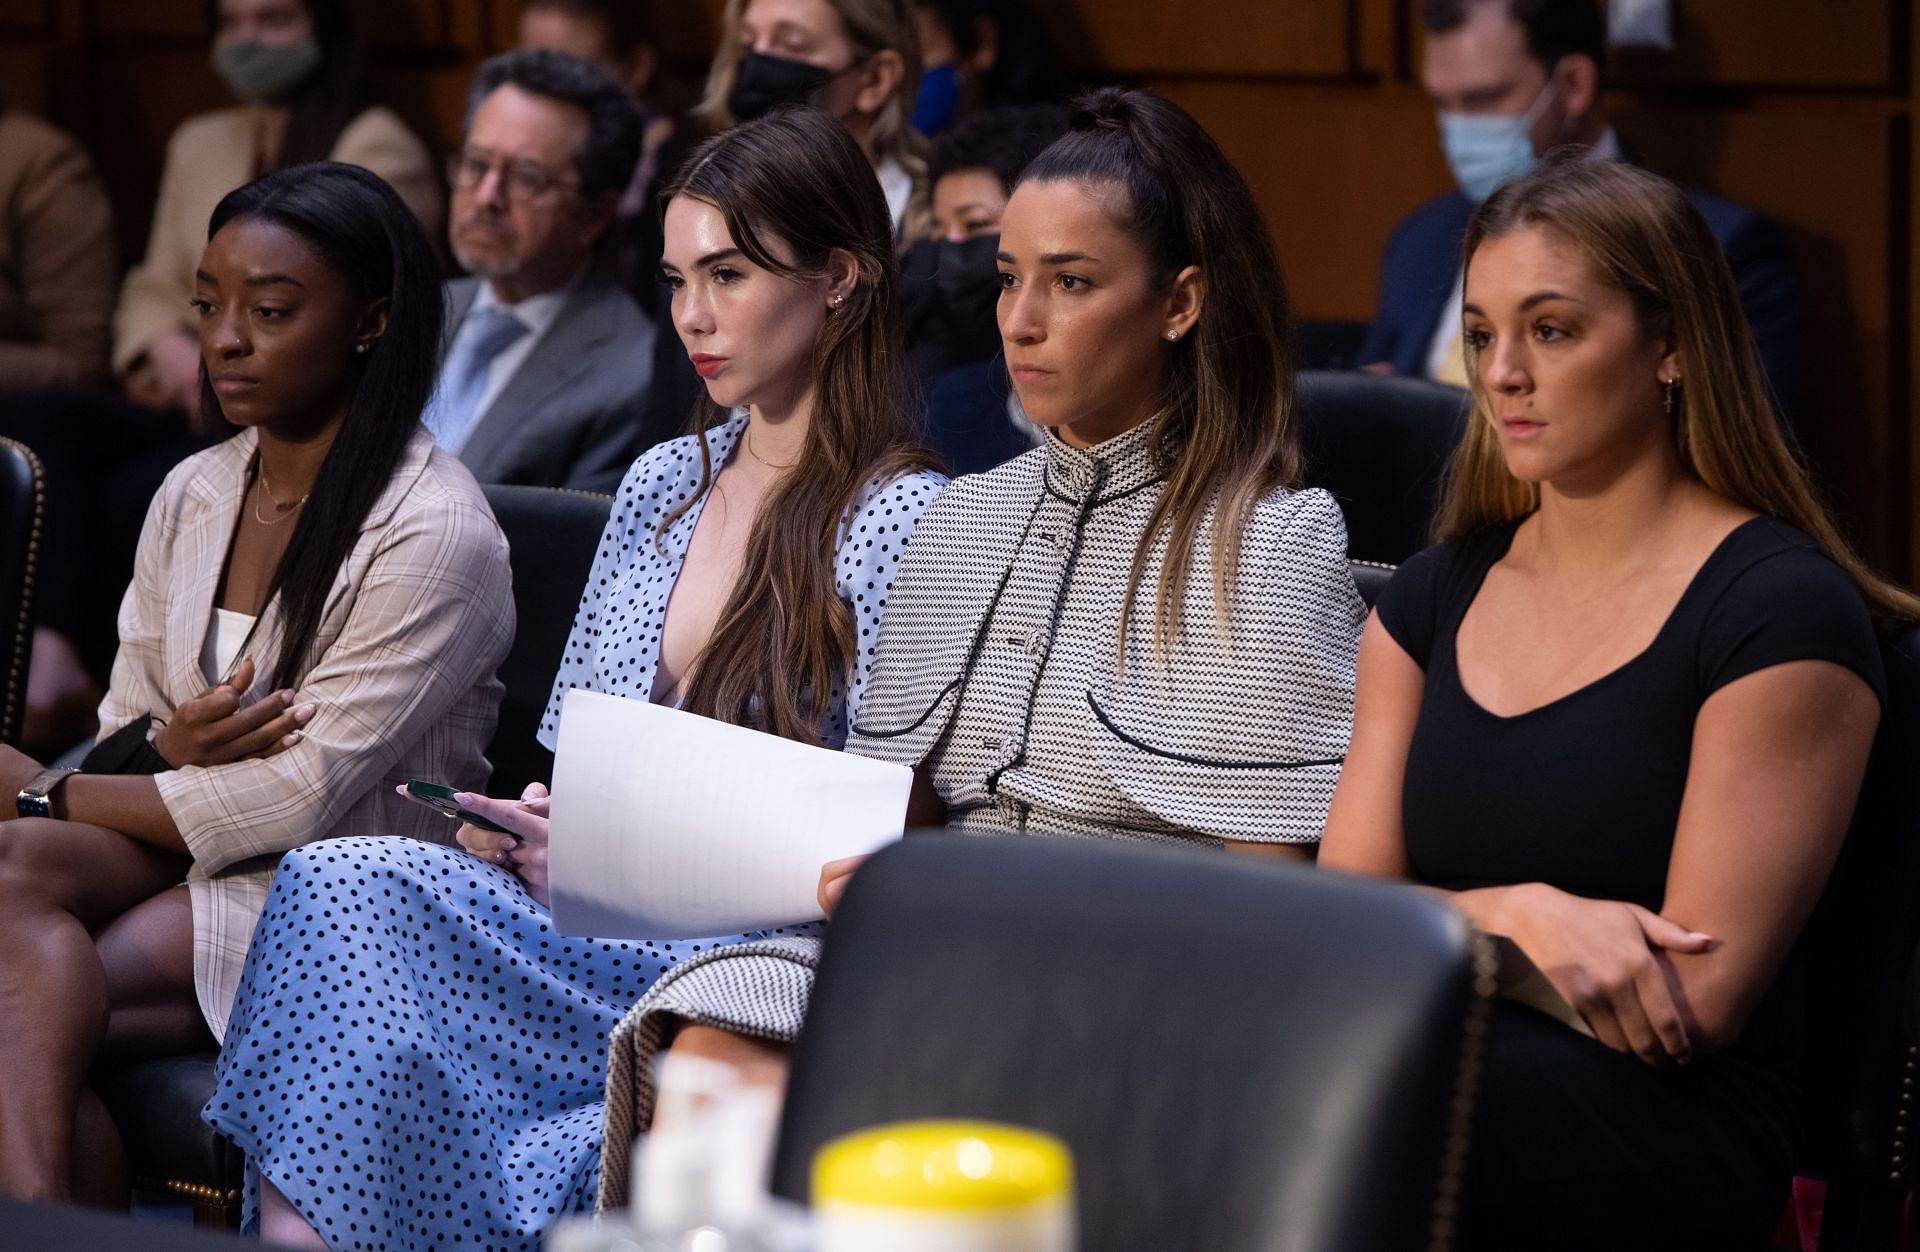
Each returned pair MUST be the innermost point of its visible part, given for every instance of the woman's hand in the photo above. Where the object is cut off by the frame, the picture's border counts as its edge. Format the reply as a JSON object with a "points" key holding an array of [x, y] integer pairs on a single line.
{"points": [[522, 853], [1606, 958], [834, 877], [213, 728]]}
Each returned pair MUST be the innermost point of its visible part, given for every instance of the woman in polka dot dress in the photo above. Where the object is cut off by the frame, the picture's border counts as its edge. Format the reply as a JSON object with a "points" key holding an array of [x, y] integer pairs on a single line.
{"points": [[415, 1058]]}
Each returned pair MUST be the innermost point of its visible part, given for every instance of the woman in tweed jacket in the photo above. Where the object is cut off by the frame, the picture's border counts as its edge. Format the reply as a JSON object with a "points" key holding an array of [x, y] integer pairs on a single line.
{"points": [[318, 609], [1142, 629]]}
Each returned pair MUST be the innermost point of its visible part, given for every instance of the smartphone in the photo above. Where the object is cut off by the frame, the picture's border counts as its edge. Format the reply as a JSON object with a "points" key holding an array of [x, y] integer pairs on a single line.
{"points": [[440, 799]]}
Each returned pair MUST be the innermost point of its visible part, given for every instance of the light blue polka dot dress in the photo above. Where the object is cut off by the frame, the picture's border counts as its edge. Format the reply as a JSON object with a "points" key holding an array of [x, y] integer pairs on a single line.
{"points": [[415, 1059]]}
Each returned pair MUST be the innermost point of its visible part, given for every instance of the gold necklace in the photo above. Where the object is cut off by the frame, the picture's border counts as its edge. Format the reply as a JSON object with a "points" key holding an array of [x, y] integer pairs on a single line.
{"points": [[266, 489], [756, 456]]}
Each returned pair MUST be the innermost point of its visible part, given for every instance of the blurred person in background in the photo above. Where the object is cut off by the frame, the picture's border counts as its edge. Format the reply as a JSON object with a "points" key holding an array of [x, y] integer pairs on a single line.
{"points": [[979, 54], [618, 36], [1514, 79], [546, 371], [951, 286], [57, 269], [295, 66], [858, 61]]}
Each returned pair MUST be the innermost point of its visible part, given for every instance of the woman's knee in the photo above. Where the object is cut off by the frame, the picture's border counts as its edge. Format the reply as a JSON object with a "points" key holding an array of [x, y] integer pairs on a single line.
{"points": [[33, 857]]}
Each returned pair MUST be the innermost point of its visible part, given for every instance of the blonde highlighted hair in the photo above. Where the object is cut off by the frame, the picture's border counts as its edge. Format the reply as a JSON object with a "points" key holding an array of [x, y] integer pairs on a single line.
{"points": [[873, 26], [1643, 237]]}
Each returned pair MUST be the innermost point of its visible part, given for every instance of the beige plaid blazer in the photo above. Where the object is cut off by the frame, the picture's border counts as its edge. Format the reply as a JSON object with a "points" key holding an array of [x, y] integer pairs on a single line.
{"points": [[402, 678]]}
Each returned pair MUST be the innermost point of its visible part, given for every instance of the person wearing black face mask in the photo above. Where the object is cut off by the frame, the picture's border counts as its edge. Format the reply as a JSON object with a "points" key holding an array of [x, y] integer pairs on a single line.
{"points": [[950, 285], [857, 61], [763, 83]]}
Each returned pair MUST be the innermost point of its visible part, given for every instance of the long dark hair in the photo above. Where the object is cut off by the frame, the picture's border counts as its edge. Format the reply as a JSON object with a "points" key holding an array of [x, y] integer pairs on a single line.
{"points": [[1226, 432], [332, 96], [366, 234], [785, 634]]}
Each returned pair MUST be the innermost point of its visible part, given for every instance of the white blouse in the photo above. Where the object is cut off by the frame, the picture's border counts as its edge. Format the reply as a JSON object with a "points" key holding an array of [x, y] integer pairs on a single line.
{"points": [[225, 636]]}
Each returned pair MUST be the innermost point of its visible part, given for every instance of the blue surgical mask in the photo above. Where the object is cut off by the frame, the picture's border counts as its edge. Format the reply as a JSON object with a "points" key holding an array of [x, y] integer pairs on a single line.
{"points": [[1484, 151], [939, 99]]}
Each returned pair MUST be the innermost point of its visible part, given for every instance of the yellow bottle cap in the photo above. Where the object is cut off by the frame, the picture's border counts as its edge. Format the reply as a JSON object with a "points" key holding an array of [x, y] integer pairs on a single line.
{"points": [[948, 1165]]}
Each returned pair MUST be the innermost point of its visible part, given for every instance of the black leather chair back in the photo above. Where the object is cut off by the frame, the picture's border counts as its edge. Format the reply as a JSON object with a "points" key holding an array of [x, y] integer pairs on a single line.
{"points": [[22, 511], [1241, 1054], [551, 538], [1370, 578], [1858, 1122], [1380, 445]]}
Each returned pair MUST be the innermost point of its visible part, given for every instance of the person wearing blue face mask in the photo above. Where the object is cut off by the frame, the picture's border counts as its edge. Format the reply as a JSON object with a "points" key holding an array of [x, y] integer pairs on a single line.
{"points": [[1513, 80], [979, 54]]}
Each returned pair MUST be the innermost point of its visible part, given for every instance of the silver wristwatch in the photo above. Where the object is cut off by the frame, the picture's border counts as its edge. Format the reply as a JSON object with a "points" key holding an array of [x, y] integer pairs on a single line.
{"points": [[36, 798]]}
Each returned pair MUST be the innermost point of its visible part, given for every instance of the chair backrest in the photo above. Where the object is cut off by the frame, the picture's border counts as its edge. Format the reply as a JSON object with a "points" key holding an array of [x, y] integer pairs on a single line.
{"points": [[1241, 1054], [1380, 445], [1370, 578], [1861, 1062], [22, 511], [551, 538]]}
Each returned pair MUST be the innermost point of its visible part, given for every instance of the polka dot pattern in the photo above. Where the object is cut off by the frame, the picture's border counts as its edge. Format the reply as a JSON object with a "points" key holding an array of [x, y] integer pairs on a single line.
{"points": [[615, 642], [415, 1058]]}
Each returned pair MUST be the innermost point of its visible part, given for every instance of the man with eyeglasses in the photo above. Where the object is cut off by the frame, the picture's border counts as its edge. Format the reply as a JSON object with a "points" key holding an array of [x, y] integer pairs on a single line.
{"points": [[548, 365]]}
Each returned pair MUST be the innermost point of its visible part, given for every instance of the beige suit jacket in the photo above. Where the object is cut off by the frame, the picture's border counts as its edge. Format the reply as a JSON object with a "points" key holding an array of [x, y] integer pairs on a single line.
{"points": [[57, 265], [214, 153], [403, 681]]}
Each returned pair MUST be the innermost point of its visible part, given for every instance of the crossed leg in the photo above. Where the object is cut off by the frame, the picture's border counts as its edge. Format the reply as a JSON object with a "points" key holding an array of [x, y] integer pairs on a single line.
{"points": [[59, 883]]}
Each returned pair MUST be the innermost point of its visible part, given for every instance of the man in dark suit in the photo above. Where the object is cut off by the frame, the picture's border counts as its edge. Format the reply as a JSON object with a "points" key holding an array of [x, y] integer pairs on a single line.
{"points": [[1514, 79], [548, 365]]}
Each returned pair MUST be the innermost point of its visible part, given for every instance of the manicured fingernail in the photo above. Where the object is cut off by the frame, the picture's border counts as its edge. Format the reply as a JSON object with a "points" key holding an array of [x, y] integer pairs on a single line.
{"points": [[461, 797], [302, 713], [291, 739]]}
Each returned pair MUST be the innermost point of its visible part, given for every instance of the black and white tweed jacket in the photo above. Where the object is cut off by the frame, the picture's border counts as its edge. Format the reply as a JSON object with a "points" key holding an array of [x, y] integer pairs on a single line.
{"points": [[1000, 670]]}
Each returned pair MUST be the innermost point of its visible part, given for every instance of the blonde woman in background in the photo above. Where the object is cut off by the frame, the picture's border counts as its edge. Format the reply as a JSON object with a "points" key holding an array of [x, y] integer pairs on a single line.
{"points": [[858, 61]]}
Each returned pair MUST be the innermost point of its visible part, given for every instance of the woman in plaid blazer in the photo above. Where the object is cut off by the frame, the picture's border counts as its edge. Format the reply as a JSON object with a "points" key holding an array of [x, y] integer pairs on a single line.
{"points": [[318, 610]]}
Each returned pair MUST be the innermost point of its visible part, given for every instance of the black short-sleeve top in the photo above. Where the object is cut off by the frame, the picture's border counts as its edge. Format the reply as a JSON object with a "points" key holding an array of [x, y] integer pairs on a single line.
{"points": [[1583, 793]]}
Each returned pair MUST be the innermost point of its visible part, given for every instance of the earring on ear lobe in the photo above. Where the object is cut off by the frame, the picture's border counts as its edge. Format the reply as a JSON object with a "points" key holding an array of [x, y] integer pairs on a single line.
{"points": [[1172, 336], [362, 348], [1672, 396], [839, 300]]}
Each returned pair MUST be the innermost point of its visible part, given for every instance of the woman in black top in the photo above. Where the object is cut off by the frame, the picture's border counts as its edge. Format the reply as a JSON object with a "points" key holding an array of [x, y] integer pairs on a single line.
{"points": [[1621, 716]]}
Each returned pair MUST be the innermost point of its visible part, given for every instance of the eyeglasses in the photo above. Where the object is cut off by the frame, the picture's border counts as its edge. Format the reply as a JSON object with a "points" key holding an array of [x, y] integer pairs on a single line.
{"points": [[519, 180]]}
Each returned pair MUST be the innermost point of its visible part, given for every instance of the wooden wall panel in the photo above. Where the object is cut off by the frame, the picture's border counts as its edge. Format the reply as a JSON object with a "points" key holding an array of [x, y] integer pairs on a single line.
{"points": [[148, 19], [1839, 208], [1786, 43], [1332, 170], [1224, 36], [26, 19], [26, 73]]}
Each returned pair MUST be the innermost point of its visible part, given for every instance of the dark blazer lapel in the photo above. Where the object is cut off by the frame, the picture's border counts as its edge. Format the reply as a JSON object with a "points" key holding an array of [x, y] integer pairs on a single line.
{"points": [[568, 349]]}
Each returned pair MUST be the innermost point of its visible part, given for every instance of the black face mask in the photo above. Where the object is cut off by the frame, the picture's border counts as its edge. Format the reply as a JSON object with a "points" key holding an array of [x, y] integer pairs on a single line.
{"points": [[762, 83], [952, 292]]}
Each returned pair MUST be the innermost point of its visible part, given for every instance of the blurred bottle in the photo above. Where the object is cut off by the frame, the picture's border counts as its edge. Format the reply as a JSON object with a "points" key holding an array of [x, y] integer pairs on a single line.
{"points": [[944, 1186], [700, 1179]]}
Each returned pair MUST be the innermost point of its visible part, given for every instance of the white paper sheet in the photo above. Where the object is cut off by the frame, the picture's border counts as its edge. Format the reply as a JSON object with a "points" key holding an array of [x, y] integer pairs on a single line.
{"points": [[667, 825]]}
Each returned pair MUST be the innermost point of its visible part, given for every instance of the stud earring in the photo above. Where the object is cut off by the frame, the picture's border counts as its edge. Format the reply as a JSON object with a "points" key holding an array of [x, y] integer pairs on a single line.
{"points": [[362, 348], [1172, 336], [1672, 396], [839, 300]]}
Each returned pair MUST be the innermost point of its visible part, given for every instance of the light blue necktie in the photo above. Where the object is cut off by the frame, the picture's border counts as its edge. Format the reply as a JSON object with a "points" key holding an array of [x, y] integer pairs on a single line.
{"points": [[463, 380]]}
